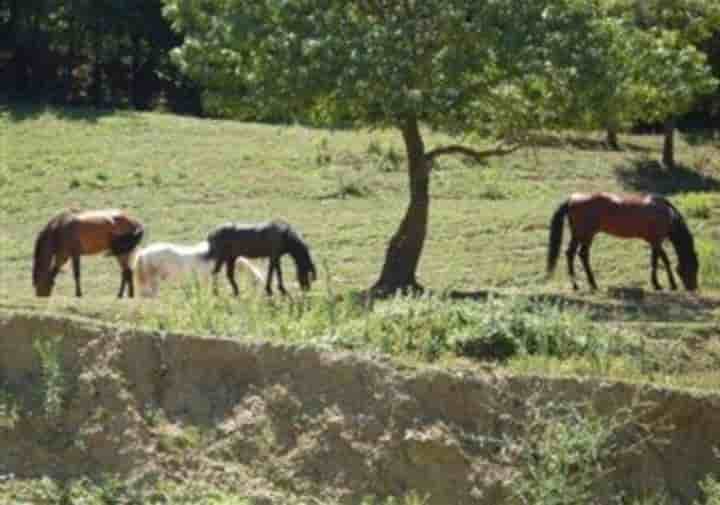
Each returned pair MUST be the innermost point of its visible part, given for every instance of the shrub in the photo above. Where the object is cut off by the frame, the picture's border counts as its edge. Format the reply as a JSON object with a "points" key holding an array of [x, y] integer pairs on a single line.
{"points": [[53, 376]]}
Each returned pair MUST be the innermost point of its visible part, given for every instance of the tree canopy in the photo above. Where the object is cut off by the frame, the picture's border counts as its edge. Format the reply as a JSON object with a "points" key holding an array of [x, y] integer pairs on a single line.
{"points": [[496, 67]]}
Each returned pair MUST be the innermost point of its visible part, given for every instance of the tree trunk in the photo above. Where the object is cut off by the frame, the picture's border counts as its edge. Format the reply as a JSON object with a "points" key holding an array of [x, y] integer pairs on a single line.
{"points": [[20, 61], [69, 68], [403, 253], [135, 71], [668, 156], [612, 138], [97, 84]]}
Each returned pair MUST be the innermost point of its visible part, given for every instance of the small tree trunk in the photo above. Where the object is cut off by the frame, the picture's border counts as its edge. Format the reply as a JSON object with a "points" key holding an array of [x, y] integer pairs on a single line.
{"points": [[403, 253], [612, 138], [135, 71], [70, 58], [97, 85], [668, 156]]}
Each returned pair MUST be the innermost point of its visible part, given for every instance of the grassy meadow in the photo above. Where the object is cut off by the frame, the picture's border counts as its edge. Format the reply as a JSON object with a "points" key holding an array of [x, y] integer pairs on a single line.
{"points": [[346, 190]]}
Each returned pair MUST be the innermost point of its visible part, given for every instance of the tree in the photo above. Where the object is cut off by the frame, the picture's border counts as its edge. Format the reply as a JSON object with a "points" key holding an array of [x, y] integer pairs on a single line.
{"points": [[451, 65], [670, 71], [636, 73]]}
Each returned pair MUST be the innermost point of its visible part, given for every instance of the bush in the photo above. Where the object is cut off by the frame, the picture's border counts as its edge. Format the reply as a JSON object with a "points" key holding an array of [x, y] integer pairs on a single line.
{"points": [[506, 328], [425, 328]]}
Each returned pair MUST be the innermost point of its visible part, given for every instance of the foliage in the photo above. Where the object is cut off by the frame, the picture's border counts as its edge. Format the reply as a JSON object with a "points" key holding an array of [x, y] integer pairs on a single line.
{"points": [[505, 328], [636, 74], [54, 386], [564, 452], [711, 488], [456, 66], [102, 51], [427, 329], [110, 489]]}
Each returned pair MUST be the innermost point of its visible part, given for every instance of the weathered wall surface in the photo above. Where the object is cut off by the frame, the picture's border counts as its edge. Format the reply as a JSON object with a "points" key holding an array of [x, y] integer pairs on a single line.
{"points": [[343, 422]]}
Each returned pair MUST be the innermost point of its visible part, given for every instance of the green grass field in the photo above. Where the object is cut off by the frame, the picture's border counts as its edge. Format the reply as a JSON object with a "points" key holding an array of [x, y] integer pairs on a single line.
{"points": [[346, 191]]}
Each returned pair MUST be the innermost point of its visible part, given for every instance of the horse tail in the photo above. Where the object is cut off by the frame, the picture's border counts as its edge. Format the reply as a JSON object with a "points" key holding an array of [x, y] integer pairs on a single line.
{"points": [[212, 250], [259, 277], [42, 255], [137, 265], [556, 235], [144, 271], [127, 242]]}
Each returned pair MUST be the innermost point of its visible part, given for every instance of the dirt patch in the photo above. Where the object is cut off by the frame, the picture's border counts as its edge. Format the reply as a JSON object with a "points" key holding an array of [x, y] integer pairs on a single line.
{"points": [[335, 425]]}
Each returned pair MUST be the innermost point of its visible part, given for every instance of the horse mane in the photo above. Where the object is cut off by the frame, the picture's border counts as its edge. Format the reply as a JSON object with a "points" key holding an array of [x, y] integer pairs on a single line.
{"points": [[45, 244], [299, 250], [681, 237]]}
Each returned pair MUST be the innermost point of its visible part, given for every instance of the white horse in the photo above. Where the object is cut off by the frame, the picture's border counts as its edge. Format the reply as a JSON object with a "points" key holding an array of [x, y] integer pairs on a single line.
{"points": [[164, 261]]}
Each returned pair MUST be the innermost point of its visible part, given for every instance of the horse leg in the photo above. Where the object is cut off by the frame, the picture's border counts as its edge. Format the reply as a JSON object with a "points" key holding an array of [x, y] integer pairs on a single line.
{"points": [[230, 271], [215, 271], [570, 255], [130, 282], [60, 260], [123, 282], [126, 277], [585, 259], [654, 254], [281, 285], [76, 274], [668, 268], [268, 281]]}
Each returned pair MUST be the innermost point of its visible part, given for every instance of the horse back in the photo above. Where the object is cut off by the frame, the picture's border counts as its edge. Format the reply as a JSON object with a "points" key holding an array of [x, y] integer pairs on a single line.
{"points": [[95, 231], [626, 216], [250, 241]]}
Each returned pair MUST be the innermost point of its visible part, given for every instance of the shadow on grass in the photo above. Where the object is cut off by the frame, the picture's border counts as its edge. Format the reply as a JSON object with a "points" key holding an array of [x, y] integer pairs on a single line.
{"points": [[618, 304], [582, 143], [651, 177], [24, 111], [702, 137]]}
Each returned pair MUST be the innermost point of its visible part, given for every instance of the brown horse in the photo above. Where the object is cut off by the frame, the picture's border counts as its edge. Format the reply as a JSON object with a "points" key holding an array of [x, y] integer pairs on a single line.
{"points": [[72, 234], [648, 217]]}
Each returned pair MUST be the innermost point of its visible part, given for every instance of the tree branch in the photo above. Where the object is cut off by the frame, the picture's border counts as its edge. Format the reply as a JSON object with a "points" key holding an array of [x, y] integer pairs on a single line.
{"points": [[469, 152]]}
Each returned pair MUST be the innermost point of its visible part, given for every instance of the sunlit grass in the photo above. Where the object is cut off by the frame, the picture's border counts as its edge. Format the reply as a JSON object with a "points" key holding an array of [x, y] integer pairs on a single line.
{"points": [[346, 191]]}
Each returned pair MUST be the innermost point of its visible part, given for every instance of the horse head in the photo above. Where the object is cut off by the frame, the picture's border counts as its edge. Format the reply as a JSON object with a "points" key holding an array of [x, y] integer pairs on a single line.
{"points": [[688, 272], [306, 276], [42, 275], [684, 243], [300, 252]]}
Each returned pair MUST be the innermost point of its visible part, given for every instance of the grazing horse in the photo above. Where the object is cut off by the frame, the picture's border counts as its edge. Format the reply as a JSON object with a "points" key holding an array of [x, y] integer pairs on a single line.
{"points": [[271, 240], [648, 217], [164, 261], [72, 234]]}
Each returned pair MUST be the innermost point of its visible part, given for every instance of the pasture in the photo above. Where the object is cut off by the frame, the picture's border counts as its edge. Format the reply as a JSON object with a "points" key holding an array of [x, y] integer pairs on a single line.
{"points": [[346, 191]]}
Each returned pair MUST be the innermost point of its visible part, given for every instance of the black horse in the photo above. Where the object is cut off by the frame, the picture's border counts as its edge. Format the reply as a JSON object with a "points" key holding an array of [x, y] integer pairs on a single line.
{"points": [[271, 240]]}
